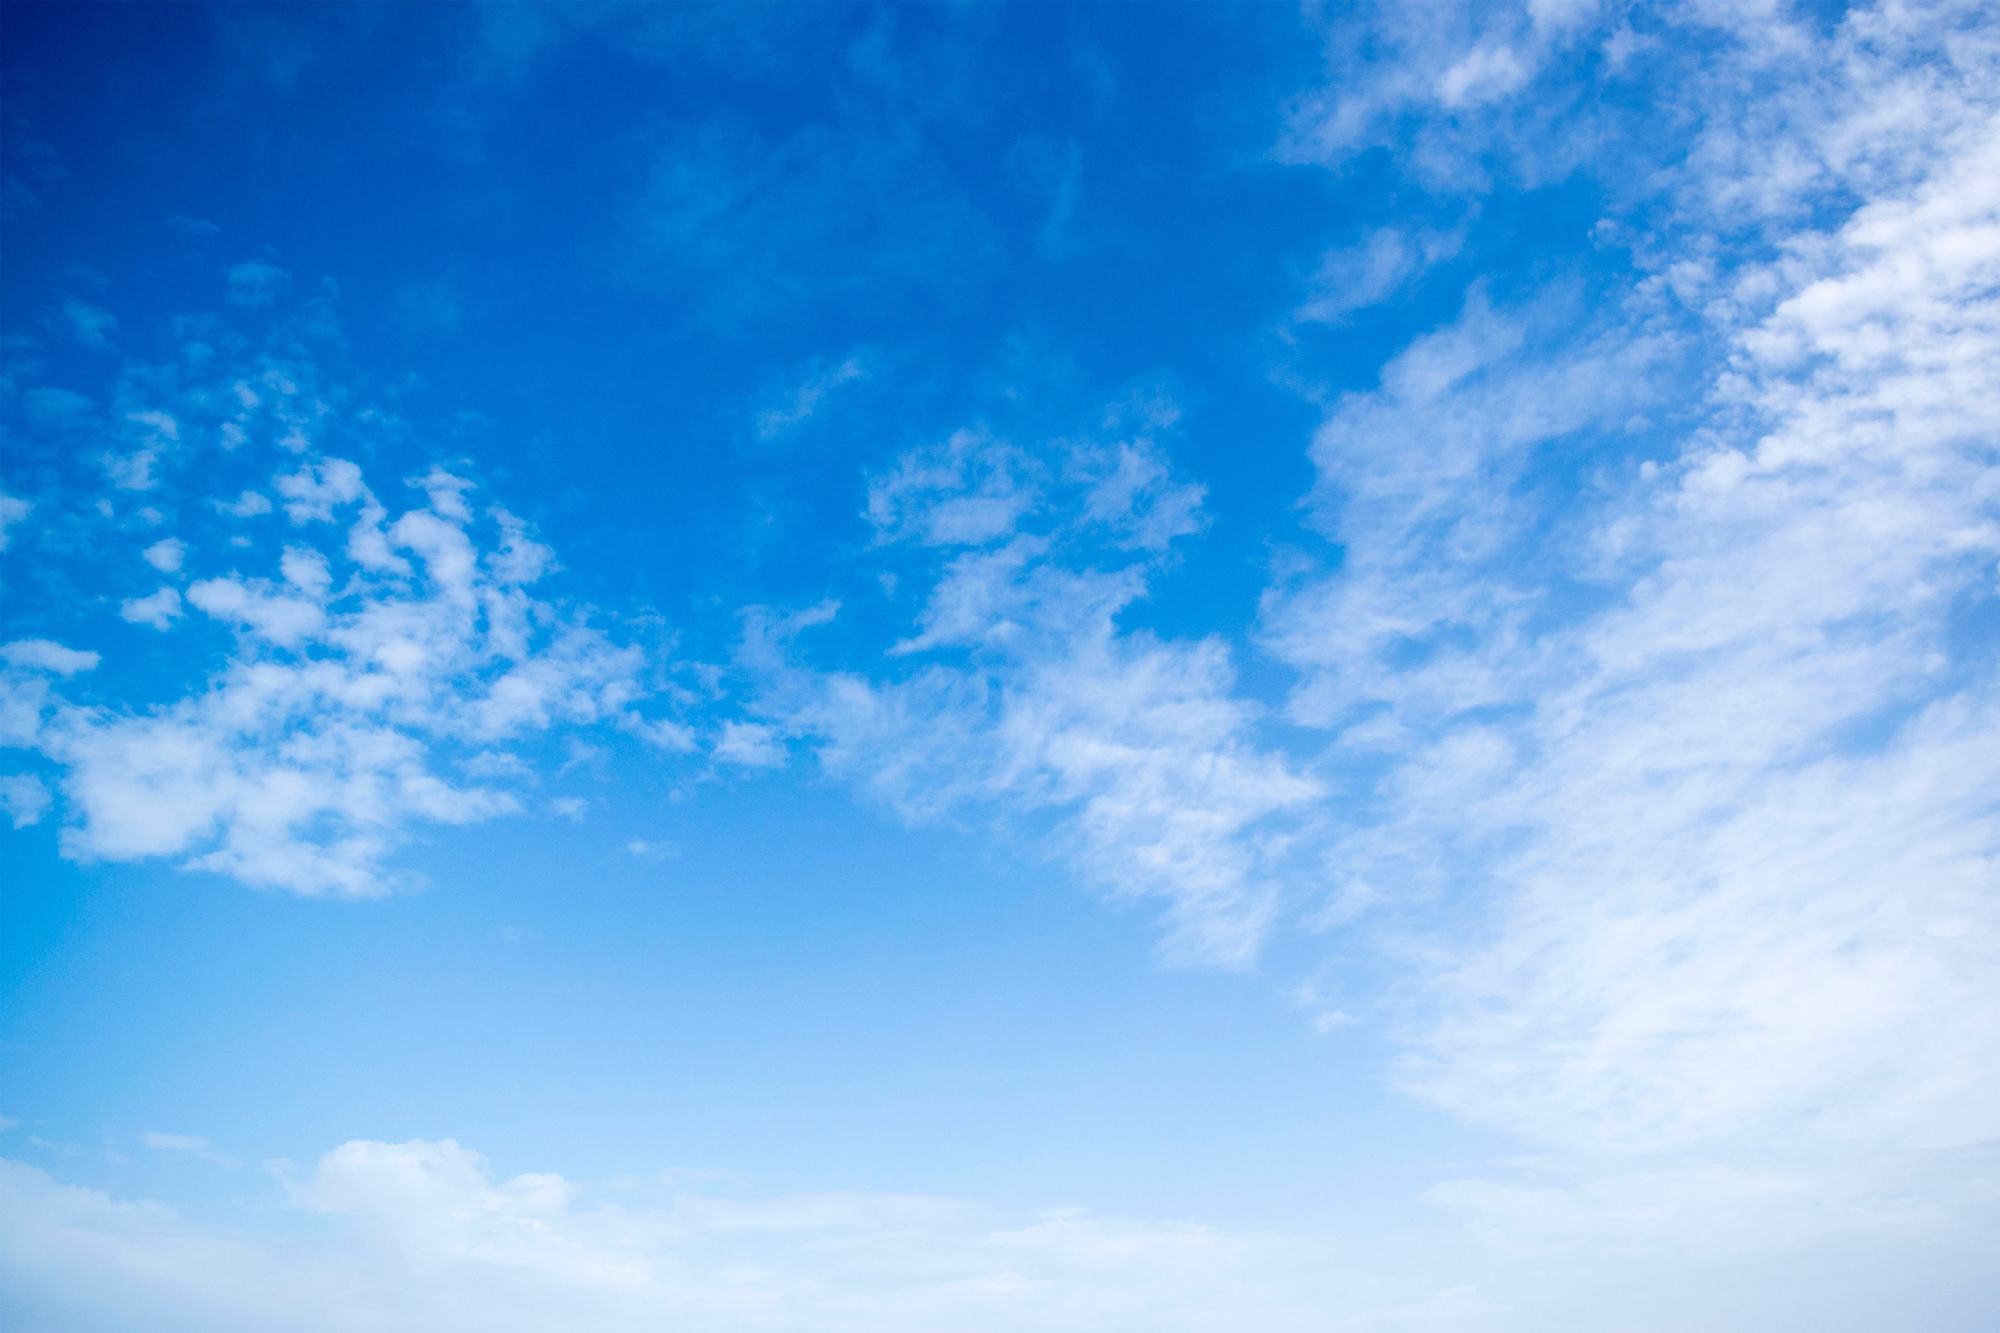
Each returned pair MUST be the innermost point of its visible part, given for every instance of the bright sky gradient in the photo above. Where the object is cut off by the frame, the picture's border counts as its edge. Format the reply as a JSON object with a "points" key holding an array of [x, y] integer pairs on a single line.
{"points": [[983, 669]]}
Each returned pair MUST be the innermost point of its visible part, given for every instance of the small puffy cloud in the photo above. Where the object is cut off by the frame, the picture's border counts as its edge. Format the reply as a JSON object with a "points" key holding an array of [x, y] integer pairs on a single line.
{"points": [[24, 797], [88, 324], [667, 734], [519, 560], [47, 655], [247, 505], [159, 609], [255, 606], [651, 849], [1484, 74], [132, 471], [166, 554], [12, 510], [749, 745], [306, 570], [447, 493], [148, 435], [314, 491], [153, 427], [256, 283]]}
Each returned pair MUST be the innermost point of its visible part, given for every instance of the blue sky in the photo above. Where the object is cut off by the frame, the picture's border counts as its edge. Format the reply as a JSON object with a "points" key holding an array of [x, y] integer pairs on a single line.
{"points": [[974, 668]]}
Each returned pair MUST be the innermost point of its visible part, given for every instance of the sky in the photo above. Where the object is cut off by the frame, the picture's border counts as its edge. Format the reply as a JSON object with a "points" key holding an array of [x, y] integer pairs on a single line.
{"points": [[945, 669]]}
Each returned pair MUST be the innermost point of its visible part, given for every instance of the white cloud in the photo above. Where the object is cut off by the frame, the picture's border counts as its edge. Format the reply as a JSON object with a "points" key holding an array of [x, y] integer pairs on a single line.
{"points": [[25, 799], [796, 407], [1131, 491], [158, 609], [1486, 73], [1434, 82], [749, 745], [968, 491], [166, 554], [247, 505], [46, 655], [304, 760], [88, 324], [315, 490], [376, 674], [1686, 775], [1418, 480], [256, 283], [306, 570], [1023, 697], [149, 435], [12, 510], [258, 608], [1371, 270], [425, 1235]]}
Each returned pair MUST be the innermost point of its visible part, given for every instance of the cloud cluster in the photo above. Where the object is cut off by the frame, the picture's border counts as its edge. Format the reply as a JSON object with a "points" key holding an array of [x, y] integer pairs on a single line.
{"points": [[357, 695], [348, 667], [1021, 693]]}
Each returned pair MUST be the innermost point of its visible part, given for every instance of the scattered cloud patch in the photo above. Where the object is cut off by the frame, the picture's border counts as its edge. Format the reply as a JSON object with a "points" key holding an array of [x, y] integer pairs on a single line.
{"points": [[189, 1145], [749, 745], [12, 510], [88, 324], [1022, 695], [798, 406], [425, 1234], [25, 799], [374, 664], [255, 283]]}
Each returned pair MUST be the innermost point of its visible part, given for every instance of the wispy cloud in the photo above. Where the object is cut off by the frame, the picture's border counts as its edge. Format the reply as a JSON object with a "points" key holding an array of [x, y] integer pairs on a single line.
{"points": [[1702, 755], [89, 324], [743, 224], [190, 1145], [428, 1232], [1023, 695], [256, 283], [797, 405]]}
